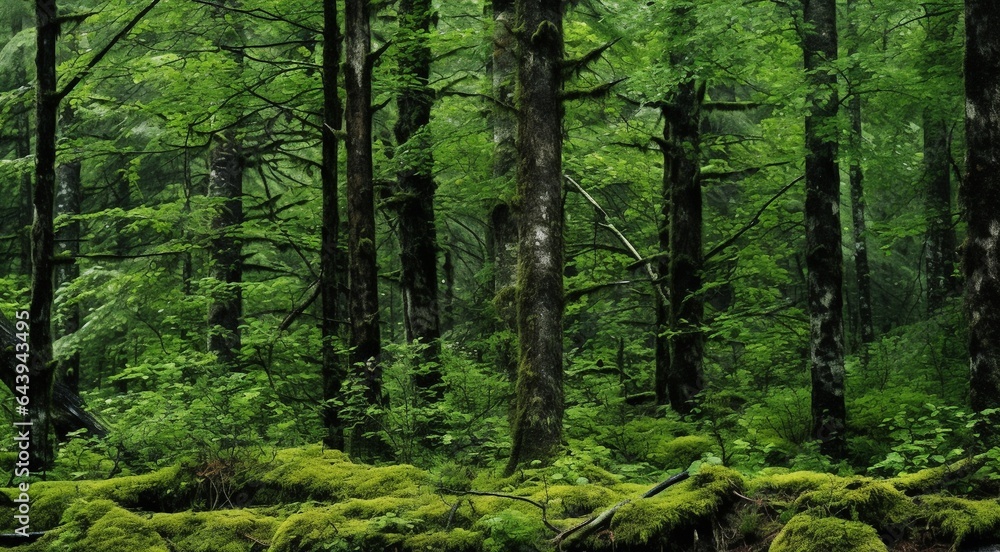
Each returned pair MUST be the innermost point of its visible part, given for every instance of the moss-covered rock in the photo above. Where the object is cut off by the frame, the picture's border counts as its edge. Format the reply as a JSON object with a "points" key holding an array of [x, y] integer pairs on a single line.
{"points": [[962, 519], [102, 525], [805, 533], [859, 499]]}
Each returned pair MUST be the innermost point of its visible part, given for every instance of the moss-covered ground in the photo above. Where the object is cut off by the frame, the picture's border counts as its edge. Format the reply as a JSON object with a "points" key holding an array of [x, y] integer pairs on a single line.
{"points": [[306, 499]]}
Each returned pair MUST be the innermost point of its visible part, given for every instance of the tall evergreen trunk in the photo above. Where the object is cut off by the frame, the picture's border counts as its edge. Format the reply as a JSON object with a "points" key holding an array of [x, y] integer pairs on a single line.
{"points": [[41, 367], [366, 344], [824, 259], [537, 424], [941, 251], [503, 224], [67, 243], [415, 194], [225, 182], [687, 304], [980, 197], [662, 338], [862, 271], [333, 370]]}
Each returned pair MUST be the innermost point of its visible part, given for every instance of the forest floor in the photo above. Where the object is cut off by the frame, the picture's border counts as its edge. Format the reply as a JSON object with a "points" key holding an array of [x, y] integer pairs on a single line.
{"points": [[306, 499]]}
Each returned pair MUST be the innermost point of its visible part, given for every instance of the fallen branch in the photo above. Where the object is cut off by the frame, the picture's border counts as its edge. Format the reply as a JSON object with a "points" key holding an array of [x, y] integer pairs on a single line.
{"points": [[538, 505], [592, 525]]}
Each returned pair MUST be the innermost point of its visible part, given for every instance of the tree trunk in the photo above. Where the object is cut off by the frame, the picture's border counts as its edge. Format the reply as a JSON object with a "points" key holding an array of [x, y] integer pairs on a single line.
{"points": [[41, 367], [415, 195], [503, 224], [225, 181], [366, 344], [980, 196], [866, 323], [333, 370], [941, 252], [68, 201], [22, 149], [537, 424], [687, 305], [824, 259]]}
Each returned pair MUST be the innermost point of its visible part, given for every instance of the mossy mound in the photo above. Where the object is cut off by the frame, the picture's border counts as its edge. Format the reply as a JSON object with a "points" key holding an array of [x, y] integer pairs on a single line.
{"points": [[216, 531], [687, 504], [312, 473], [805, 533], [860, 499], [100, 524], [962, 519], [679, 453]]}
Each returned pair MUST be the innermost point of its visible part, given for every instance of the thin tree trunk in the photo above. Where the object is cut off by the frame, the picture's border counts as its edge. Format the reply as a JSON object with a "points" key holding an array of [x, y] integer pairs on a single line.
{"points": [[980, 197], [941, 252], [503, 224], [333, 370], [366, 344], [866, 323], [22, 149], [537, 424], [415, 197], [225, 181], [824, 259], [687, 307], [68, 200], [662, 338], [41, 367]]}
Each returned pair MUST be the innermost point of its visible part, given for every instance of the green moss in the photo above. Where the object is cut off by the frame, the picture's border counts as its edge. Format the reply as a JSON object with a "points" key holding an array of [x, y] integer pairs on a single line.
{"points": [[931, 478], [217, 531], [805, 533], [789, 484], [102, 525], [455, 540], [859, 499], [314, 473], [649, 520], [961, 518], [680, 452]]}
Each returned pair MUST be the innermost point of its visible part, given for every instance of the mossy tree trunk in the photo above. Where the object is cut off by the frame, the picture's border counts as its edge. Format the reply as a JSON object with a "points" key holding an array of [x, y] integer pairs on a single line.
{"points": [[414, 199], [365, 342], [225, 183], [67, 242], [681, 138], [537, 424], [503, 223], [862, 270], [41, 366], [824, 259], [980, 197], [941, 252], [330, 260]]}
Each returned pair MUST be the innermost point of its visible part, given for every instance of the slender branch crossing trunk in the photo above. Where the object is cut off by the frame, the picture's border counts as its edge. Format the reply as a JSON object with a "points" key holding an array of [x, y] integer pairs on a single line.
{"points": [[824, 259], [537, 424], [333, 370], [980, 196], [415, 197], [366, 344]]}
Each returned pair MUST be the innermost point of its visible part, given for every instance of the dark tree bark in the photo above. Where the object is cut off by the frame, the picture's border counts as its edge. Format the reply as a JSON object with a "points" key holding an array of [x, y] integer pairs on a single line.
{"points": [[687, 305], [41, 366], [333, 369], [225, 182], [980, 195], [366, 344], [503, 224], [824, 259], [415, 194], [941, 252], [537, 424], [68, 200], [866, 323]]}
